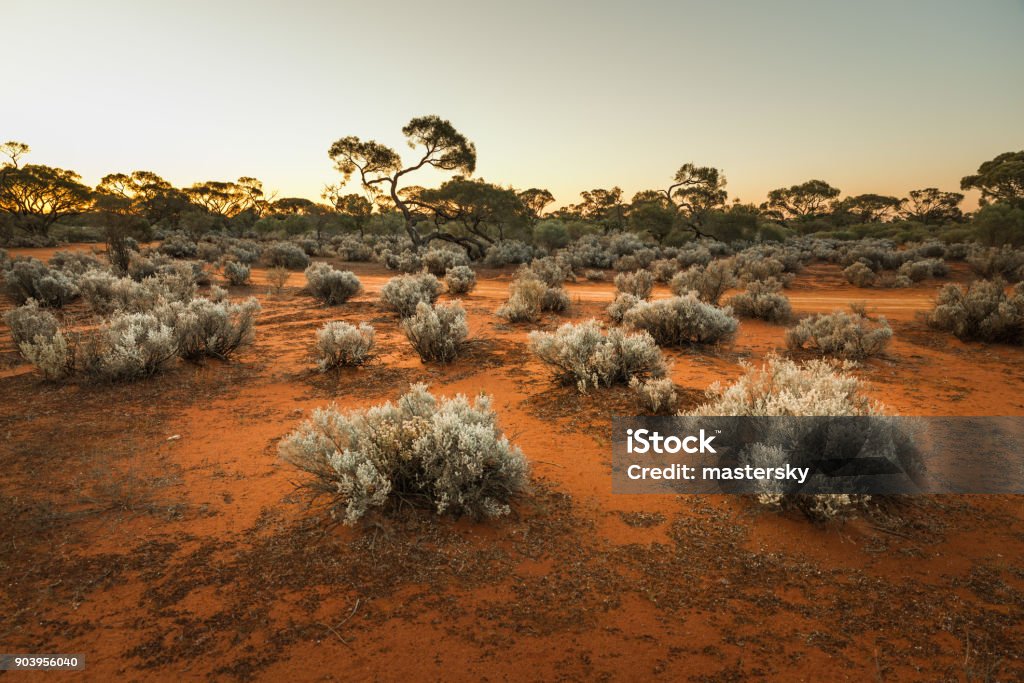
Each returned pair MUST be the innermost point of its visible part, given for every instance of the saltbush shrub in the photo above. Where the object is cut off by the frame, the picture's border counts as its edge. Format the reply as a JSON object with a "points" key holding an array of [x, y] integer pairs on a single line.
{"points": [[922, 269], [341, 344], [331, 286], [460, 280], [639, 283], [1006, 263], [237, 274], [437, 333], [656, 396], [524, 301], [709, 282], [550, 270], [682, 320], [508, 252], [587, 357], [860, 275], [285, 255], [623, 302], [105, 293], [32, 279], [30, 321], [404, 293], [129, 346], [439, 261], [763, 300], [203, 327], [982, 312], [447, 454], [39, 339], [840, 334]]}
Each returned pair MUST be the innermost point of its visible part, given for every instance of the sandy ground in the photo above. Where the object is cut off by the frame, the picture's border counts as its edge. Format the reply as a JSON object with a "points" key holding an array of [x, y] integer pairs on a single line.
{"points": [[152, 528]]}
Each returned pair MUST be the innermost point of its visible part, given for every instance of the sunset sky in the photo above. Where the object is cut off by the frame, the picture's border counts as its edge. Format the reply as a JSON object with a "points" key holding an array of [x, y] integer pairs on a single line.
{"points": [[872, 96]]}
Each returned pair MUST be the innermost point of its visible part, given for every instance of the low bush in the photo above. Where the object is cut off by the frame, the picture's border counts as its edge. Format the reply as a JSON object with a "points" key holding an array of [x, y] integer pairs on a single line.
{"points": [[39, 339], [840, 334], [32, 279], [587, 357], [437, 333], [341, 344], [277, 278], [105, 293], [524, 301], [75, 262], [623, 303], [129, 346], [595, 275], [763, 300], [922, 269], [207, 328], [982, 312], [1006, 263], [237, 274], [709, 282], [508, 252], [439, 261], [460, 280], [860, 275], [555, 300], [550, 270], [656, 396], [285, 255], [332, 286], [406, 261], [682, 320], [30, 321], [639, 283], [447, 454], [404, 293]]}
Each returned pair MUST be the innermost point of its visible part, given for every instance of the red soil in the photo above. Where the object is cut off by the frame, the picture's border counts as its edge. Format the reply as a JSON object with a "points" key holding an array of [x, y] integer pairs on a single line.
{"points": [[152, 528]]}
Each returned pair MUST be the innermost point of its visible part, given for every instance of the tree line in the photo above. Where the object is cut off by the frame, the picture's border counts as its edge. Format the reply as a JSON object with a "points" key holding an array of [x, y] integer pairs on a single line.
{"points": [[474, 214]]}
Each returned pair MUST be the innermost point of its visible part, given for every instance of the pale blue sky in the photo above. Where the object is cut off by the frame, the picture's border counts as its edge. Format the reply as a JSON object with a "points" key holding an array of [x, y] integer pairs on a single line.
{"points": [[870, 95]]}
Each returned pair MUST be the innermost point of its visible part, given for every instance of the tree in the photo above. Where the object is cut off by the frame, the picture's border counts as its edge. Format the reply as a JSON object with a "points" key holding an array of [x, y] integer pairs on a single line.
{"points": [[291, 206], [382, 171], [356, 209], [695, 192], [603, 207], [535, 199], [931, 206], [1000, 179], [38, 196], [812, 199], [227, 199], [142, 193], [480, 209], [869, 208], [650, 213], [1000, 223]]}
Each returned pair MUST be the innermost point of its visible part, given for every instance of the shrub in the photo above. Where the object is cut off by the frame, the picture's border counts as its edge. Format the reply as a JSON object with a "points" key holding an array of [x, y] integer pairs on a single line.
{"points": [[682, 320], [595, 275], [332, 286], [709, 282], [277, 277], [104, 293], [30, 321], [207, 328], [664, 269], [129, 346], [460, 280], [784, 388], [406, 261], [583, 355], [32, 279], [341, 344], [447, 454], [508, 252], [177, 245], [141, 267], [405, 292], [840, 334], [439, 261], [236, 273], [1007, 263], [751, 268], [285, 255], [639, 283], [550, 270], [74, 262], [656, 396], [764, 300], [922, 269], [860, 275], [524, 301], [982, 312], [555, 299], [623, 303], [437, 333]]}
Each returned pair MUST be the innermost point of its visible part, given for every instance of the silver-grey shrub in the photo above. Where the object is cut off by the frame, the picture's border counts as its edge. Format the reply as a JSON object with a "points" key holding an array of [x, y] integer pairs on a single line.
{"points": [[683, 320], [524, 301], [445, 454], [710, 282], [639, 283], [129, 346], [437, 333], [840, 334], [982, 312], [209, 328], [922, 269], [460, 280], [33, 279], [763, 300], [618, 308], [584, 355], [439, 261], [30, 321], [340, 344], [236, 273], [105, 293], [332, 286], [656, 396], [403, 293], [859, 274], [39, 339]]}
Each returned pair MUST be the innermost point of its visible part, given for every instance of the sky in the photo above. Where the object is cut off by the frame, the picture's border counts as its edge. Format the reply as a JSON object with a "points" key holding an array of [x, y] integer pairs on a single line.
{"points": [[871, 96]]}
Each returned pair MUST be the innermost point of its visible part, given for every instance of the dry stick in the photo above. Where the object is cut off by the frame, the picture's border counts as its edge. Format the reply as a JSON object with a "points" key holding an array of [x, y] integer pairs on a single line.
{"points": [[545, 462]]}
